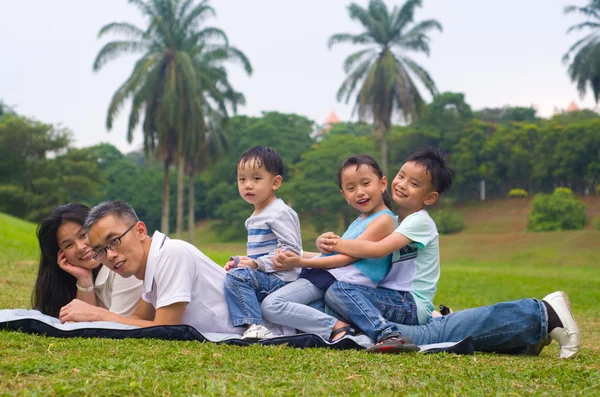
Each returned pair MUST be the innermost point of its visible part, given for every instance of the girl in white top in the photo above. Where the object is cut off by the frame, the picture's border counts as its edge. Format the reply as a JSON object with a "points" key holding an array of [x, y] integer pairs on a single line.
{"points": [[67, 270]]}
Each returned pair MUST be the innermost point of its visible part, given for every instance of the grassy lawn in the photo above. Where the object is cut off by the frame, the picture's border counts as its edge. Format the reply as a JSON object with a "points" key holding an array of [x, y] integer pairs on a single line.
{"points": [[494, 259]]}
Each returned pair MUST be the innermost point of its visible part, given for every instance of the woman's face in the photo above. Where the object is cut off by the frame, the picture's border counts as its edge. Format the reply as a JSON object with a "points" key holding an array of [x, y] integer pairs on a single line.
{"points": [[73, 241]]}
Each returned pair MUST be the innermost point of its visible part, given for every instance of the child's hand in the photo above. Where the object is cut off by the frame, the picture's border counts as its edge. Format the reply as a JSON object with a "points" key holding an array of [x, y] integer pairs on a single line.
{"points": [[247, 262], [326, 241], [286, 260], [229, 265]]}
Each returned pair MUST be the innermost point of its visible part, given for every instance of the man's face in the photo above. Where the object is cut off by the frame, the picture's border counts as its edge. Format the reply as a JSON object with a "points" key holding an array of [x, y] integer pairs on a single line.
{"points": [[128, 258]]}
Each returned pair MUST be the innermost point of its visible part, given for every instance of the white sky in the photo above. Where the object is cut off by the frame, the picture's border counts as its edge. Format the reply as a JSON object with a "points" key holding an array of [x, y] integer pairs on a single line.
{"points": [[496, 52]]}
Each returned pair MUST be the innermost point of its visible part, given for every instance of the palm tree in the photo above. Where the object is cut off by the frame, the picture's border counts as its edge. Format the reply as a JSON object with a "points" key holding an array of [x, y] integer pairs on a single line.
{"points": [[163, 86], [383, 70], [218, 97], [585, 53]]}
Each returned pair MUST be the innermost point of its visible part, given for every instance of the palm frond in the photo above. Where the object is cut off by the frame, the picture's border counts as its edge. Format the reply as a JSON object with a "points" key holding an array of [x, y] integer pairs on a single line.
{"points": [[115, 49], [589, 11], [363, 38], [198, 14], [352, 59], [422, 74], [349, 84], [143, 7], [406, 14], [123, 28], [424, 27], [208, 34], [592, 25], [362, 15]]}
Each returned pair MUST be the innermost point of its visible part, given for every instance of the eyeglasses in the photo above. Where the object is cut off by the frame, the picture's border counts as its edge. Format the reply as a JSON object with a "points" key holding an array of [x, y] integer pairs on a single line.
{"points": [[112, 245]]}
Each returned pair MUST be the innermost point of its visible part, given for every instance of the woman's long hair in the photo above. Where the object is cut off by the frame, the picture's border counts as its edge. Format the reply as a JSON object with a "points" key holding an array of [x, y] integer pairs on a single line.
{"points": [[54, 287]]}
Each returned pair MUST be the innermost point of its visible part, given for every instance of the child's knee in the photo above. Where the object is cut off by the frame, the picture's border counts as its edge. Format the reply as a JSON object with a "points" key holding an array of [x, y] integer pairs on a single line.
{"points": [[236, 276], [272, 305]]}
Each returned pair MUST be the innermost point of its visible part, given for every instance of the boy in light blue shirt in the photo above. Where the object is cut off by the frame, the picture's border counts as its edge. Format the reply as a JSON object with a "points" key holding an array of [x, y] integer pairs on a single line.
{"points": [[273, 226]]}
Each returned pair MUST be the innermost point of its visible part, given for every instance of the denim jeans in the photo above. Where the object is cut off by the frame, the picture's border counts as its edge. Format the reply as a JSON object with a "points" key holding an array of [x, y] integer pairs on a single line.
{"points": [[507, 327], [245, 288], [289, 306], [376, 311]]}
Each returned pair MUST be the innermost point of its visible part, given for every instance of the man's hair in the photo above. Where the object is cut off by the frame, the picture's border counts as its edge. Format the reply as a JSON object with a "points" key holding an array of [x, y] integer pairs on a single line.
{"points": [[435, 165], [119, 209], [264, 157]]}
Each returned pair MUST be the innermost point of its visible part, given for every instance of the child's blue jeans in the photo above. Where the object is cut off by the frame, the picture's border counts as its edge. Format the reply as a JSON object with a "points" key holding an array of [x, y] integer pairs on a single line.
{"points": [[245, 288]]}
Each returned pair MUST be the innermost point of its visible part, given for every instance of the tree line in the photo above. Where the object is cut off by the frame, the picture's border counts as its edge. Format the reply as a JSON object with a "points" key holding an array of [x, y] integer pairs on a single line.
{"points": [[508, 148]]}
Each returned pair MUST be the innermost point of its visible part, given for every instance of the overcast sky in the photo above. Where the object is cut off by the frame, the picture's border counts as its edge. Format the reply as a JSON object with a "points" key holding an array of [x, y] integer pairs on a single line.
{"points": [[496, 52]]}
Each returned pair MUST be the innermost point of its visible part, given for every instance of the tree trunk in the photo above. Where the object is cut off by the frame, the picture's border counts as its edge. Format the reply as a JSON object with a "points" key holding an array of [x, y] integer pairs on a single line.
{"points": [[383, 147], [191, 208], [180, 190], [164, 220]]}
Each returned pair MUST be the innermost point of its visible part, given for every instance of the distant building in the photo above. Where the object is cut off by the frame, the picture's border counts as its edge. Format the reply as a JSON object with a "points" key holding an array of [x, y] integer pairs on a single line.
{"points": [[323, 129], [573, 107]]}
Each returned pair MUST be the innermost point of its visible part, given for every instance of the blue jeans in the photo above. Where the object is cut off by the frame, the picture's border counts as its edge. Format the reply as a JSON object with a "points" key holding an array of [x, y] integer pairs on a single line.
{"points": [[376, 311], [245, 288], [507, 327], [289, 306]]}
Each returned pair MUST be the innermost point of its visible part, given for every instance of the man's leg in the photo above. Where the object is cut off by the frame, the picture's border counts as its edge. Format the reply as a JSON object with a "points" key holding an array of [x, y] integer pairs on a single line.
{"points": [[371, 309], [244, 289], [504, 327], [289, 306]]}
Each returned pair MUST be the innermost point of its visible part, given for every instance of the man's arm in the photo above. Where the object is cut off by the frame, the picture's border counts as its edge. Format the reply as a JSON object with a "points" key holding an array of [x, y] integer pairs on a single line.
{"points": [[144, 316]]}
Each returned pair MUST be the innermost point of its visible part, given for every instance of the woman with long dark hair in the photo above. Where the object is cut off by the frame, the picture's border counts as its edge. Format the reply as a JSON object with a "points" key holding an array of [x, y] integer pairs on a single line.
{"points": [[67, 270]]}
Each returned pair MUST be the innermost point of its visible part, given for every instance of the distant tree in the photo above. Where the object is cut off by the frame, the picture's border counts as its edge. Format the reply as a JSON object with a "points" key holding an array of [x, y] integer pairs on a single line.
{"points": [[165, 83], [507, 114], [584, 55], [380, 75]]}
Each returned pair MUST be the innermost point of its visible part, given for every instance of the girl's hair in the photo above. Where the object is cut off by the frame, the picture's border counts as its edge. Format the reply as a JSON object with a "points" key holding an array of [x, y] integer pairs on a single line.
{"points": [[370, 162], [54, 287]]}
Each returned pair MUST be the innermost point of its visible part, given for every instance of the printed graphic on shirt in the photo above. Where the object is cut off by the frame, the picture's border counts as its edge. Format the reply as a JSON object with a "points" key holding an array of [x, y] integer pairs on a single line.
{"points": [[405, 253]]}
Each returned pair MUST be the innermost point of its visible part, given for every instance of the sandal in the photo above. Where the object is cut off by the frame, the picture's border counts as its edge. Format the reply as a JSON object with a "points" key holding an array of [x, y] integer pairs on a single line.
{"points": [[348, 331]]}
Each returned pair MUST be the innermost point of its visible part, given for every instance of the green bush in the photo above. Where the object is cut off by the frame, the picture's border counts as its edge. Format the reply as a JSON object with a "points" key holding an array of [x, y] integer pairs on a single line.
{"points": [[557, 211], [517, 193], [598, 223], [448, 221]]}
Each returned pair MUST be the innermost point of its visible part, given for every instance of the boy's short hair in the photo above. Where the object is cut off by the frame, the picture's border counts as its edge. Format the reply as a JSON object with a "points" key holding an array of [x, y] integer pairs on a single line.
{"points": [[435, 165], [265, 157], [119, 209]]}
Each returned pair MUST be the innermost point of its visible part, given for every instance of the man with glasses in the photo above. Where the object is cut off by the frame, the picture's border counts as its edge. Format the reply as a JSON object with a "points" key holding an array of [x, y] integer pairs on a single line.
{"points": [[181, 284]]}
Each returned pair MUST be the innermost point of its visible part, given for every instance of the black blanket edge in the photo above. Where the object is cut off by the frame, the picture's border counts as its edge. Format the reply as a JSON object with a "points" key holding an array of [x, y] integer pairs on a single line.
{"points": [[171, 332]]}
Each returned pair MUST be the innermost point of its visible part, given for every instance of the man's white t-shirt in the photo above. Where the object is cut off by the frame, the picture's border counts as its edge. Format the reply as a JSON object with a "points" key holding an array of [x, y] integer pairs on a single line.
{"points": [[176, 271], [117, 294], [416, 267]]}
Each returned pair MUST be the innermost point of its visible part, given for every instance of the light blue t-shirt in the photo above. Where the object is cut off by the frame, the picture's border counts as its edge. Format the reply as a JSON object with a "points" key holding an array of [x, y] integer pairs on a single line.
{"points": [[416, 267], [366, 271]]}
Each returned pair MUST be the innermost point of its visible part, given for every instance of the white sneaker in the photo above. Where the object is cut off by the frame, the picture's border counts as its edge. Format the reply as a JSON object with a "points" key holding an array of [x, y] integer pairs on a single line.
{"points": [[568, 335], [257, 332]]}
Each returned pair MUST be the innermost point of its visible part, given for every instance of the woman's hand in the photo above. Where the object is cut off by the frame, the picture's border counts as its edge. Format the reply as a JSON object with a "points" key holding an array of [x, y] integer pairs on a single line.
{"points": [[326, 241], [83, 276], [286, 260]]}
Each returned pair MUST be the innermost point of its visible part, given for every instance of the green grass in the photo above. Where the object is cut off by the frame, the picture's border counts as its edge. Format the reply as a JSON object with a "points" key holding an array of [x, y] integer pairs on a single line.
{"points": [[494, 259]]}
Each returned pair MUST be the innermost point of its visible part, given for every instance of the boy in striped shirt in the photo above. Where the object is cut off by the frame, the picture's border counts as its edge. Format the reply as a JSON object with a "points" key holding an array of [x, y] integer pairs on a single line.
{"points": [[272, 226]]}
